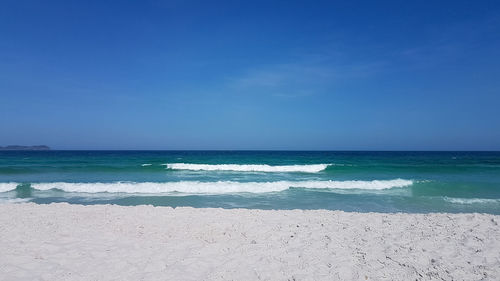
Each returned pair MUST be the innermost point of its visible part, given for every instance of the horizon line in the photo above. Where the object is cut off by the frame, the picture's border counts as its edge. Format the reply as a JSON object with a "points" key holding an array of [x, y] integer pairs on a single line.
{"points": [[271, 150]]}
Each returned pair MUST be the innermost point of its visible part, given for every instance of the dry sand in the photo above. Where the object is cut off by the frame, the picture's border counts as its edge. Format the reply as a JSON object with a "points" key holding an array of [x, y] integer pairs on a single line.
{"points": [[74, 242]]}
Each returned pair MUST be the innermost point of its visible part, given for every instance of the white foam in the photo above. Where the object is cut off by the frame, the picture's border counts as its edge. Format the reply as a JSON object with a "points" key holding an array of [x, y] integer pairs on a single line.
{"points": [[218, 187], [471, 200], [313, 168], [146, 165], [7, 186]]}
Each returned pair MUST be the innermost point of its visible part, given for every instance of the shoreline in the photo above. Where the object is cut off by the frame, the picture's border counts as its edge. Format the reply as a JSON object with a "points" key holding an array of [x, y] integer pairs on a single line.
{"points": [[61, 241]]}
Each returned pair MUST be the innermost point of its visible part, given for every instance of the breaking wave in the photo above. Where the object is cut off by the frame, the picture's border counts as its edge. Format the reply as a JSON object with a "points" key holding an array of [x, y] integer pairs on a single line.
{"points": [[219, 187], [313, 168], [7, 186]]}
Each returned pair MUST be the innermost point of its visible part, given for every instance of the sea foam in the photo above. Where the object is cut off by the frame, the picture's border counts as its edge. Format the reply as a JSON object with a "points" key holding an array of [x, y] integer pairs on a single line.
{"points": [[468, 201], [219, 187], [7, 186], [313, 168]]}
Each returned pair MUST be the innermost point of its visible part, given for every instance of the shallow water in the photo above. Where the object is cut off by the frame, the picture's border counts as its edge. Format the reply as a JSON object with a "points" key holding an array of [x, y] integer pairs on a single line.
{"points": [[351, 181]]}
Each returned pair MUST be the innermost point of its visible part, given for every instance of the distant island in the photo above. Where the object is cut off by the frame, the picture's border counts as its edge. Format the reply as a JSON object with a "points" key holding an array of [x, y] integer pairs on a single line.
{"points": [[23, 147]]}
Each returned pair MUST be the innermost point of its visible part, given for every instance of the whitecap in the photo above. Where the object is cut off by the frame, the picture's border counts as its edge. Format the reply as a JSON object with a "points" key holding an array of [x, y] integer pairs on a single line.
{"points": [[219, 187], [313, 168], [8, 186]]}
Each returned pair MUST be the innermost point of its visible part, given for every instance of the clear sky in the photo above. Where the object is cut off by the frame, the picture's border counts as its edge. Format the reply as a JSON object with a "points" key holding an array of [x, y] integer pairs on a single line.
{"points": [[313, 75]]}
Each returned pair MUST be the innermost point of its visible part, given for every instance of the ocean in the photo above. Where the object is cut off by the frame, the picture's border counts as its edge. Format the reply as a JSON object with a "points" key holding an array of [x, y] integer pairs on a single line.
{"points": [[412, 182]]}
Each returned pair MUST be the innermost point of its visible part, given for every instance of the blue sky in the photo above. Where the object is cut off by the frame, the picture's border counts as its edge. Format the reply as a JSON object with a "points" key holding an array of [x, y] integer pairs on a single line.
{"points": [[335, 75]]}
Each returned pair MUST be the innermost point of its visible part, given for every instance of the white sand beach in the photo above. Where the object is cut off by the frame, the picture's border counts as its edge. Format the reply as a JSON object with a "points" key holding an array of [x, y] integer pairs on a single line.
{"points": [[105, 242]]}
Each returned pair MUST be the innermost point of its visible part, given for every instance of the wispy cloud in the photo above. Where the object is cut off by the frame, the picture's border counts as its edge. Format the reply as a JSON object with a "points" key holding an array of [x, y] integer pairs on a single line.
{"points": [[300, 78], [310, 73], [452, 42]]}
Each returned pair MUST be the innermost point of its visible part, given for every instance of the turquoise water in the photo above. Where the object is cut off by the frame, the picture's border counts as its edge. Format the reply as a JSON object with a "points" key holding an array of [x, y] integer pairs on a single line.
{"points": [[350, 181]]}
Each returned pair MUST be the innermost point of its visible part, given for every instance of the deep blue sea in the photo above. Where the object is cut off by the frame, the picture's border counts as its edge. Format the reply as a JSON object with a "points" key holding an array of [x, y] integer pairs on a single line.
{"points": [[352, 181]]}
